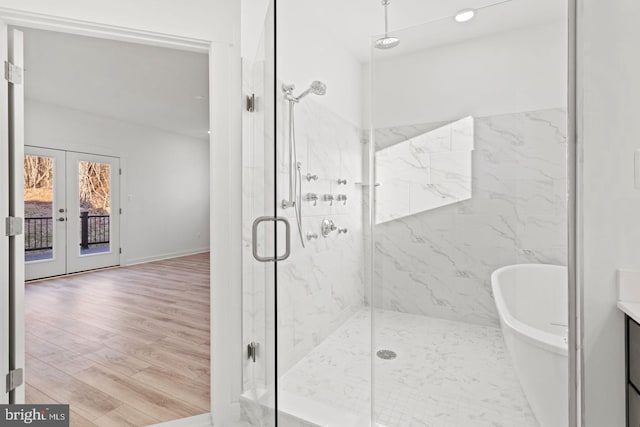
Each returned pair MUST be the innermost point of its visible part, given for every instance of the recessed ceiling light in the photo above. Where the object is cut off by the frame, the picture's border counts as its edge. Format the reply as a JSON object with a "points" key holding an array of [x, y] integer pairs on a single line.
{"points": [[465, 15]]}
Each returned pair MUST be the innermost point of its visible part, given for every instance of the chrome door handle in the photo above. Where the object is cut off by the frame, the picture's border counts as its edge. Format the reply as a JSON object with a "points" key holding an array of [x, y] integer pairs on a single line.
{"points": [[254, 238]]}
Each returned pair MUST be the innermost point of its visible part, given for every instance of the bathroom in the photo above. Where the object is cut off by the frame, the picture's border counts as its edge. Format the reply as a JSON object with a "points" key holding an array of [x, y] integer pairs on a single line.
{"points": [[422, 212], [423, 177]]}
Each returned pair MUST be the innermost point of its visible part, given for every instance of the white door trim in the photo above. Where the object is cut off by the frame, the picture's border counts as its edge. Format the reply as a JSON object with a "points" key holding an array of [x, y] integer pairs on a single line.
{"points": [[16, 209], [93, 29], [4, 212], [225, 155]]}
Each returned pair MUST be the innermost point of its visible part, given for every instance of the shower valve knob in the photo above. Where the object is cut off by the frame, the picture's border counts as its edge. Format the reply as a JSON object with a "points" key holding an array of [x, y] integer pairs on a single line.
{"points": [[342, 230], [311, 197], [311, 177], [328, 198], [342, 181], [327, 227], [342, 198], [312, 236]]}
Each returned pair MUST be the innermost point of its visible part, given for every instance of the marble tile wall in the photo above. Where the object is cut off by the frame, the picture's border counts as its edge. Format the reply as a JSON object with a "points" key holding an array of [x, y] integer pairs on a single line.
{"points": [[438, 263], [321, 285], [424, 172]]}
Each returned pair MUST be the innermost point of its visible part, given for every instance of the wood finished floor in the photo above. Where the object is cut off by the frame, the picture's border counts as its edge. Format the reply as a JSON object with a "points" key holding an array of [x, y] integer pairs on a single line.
{"points": [[124, 346]]}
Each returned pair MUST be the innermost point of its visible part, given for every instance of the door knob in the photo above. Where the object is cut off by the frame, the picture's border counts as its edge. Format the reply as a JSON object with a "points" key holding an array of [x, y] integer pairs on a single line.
{"points": [[61, 219]]}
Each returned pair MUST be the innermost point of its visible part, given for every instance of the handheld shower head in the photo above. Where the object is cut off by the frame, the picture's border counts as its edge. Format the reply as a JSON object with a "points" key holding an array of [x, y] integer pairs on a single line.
{"points": [[316, 88]]}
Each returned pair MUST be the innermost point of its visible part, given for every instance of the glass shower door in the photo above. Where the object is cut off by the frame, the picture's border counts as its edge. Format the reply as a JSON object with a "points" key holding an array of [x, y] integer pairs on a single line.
{"points": [[470, 224], [258, 401]]}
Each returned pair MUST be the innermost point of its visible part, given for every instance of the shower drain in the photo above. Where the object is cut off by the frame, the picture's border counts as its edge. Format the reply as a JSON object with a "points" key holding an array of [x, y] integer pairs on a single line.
{"points": [[386, 354]]}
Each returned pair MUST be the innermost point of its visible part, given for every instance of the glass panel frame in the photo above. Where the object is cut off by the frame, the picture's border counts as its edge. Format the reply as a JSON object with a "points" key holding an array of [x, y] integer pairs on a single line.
{"points": [[441, 231]]}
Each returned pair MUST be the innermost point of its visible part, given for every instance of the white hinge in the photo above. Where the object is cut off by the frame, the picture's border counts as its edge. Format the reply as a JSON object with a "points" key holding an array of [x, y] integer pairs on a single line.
{"points": [[12, 73], [13, 226], [14, 379]]}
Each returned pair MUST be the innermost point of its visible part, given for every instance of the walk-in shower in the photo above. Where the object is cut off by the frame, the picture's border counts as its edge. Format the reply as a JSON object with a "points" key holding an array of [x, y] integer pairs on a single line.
{"points": [[445, 158]]}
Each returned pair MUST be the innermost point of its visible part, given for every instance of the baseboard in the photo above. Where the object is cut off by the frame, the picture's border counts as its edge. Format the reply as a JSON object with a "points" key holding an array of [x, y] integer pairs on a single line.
{"points": [[161, 257], [203, 420]]}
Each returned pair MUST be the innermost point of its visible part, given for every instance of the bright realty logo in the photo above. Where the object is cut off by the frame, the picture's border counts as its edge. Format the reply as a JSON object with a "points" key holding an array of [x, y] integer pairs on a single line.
{"points": [[35, 415], [25, 416]]}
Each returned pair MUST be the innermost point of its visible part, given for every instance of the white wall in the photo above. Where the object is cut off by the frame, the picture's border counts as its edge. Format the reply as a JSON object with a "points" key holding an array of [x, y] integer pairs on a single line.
{"points": [[252, 15], [165, 185], [307, 53], [510, 72], [610, 132], [186, 18]]}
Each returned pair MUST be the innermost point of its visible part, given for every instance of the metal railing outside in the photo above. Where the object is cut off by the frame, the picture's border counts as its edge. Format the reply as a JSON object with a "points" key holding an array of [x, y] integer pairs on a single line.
{"points": [[94, 230]]}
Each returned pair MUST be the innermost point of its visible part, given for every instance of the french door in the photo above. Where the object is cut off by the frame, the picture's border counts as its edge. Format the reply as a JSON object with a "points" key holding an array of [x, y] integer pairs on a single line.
{"points": [[72, 212]]}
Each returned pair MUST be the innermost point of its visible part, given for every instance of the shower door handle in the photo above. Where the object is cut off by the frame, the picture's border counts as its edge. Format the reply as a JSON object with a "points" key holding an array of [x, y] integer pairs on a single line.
{"points": [[254, 238]]}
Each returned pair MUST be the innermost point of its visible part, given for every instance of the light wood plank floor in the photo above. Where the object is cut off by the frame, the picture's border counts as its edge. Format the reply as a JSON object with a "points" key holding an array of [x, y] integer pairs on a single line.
{"points": [[124, 346]]}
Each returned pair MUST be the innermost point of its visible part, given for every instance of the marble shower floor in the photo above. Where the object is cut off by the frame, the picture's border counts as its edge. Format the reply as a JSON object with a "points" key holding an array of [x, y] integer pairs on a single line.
{"points": [[446, 374]]}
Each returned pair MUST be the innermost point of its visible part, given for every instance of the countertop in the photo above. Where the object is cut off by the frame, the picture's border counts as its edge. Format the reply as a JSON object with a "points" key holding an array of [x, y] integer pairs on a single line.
{"points": [[629, 293], [631, 309]]}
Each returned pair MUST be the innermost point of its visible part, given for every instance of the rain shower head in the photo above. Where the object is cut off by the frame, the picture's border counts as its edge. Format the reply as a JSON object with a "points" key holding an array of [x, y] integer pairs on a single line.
{"points": [[316, 88], [386, 42]]}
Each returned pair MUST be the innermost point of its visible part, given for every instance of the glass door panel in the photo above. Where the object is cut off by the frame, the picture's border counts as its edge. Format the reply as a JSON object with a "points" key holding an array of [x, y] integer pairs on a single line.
{"points": [[470, 231], [94, 192], [93, 218], [258, 400], [44, 207]]}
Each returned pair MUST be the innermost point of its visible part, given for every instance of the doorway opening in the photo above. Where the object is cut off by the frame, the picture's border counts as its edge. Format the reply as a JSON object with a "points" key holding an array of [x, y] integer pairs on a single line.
{"points": [[116, 174]]}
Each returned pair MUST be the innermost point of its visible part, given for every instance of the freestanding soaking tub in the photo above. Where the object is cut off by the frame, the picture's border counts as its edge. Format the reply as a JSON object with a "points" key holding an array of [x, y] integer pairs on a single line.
{"points": [[532, 305]]}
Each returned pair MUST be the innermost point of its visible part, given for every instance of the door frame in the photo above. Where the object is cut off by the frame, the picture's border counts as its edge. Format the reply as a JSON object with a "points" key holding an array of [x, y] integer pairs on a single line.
{"points": [[225, 186]]}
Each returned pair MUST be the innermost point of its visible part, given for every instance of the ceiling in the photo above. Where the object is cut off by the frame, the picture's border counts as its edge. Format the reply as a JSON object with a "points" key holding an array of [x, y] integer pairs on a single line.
{"points": [[352, 22], [155, 87]]}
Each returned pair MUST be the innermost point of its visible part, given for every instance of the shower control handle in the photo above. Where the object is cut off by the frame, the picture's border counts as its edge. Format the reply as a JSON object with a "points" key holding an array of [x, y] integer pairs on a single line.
{"points": [[342, 198], [311, 177], [342, 181], [342, 230], [327, 227], [328, 198], [312, 236], [311, 197]]}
